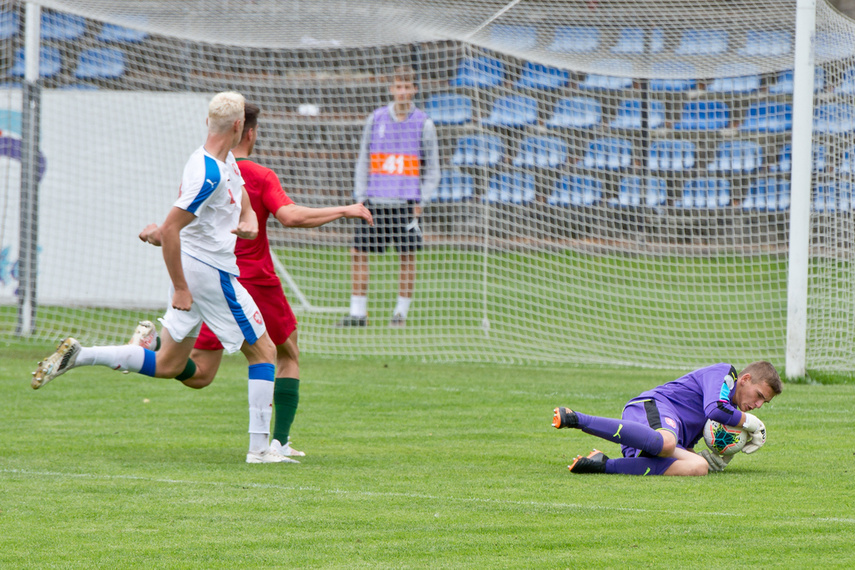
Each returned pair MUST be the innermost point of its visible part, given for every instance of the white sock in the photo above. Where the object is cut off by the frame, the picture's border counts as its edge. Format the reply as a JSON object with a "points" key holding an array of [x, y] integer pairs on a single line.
{"points": [[403, 306], [359, 305], [260, 413], [124, 357]]}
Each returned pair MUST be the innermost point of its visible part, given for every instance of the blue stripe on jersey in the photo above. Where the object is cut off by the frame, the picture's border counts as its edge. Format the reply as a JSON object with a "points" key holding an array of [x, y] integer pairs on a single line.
{"points": [[262, 371], [212, 180], [724, 395], [237, 311]]}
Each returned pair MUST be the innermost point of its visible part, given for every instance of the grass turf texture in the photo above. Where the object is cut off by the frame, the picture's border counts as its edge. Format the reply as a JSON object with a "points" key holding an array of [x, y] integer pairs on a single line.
{"points": [[419, 466]]}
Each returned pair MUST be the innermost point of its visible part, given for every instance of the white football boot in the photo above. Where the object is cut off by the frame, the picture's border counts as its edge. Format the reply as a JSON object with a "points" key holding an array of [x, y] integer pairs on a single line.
{"points": [[286, 449], [145, 335], [57, 363], [269, 455]]}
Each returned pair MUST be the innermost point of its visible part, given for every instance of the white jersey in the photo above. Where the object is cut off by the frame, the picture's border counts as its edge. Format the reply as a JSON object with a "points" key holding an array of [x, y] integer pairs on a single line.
{"points": [[211, 190]]}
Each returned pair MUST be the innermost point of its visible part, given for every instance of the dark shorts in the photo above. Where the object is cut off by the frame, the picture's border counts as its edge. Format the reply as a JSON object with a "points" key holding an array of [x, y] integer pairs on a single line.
{"points": [[656, 414], [390, 229]]}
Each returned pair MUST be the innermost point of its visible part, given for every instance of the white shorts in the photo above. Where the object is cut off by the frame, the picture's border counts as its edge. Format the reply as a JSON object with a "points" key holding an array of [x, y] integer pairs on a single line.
{"points": [[220, 301]]}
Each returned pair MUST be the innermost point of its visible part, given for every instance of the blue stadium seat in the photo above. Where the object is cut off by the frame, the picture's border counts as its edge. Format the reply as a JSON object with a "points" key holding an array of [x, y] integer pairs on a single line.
{"points": [[482, 72], [636, 41], [632, 193], [513, 111], [454, 186], [541, 152], [671, 155], [785, 159], [449, 108], [847, 83], [737, 156], [673, 77], [101, 63], [762, 43], [784, 83], [704, 116], [767, 194], [629, 115], [478, 150], [513, 37], [768, 117], [575, 39], [115, 34], [62, 27], [516, 188], [833, 118], [576, 113], [9, 24], [705, 193], [735, 78], [50, 62], [617, 75], [539, 76], [845, 201], [608, 154], [847, 163], [576, 191], [824, 199], [702, 42]]}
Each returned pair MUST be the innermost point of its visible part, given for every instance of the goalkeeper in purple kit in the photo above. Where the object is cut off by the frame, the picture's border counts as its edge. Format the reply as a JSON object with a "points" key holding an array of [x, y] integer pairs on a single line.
{"points": [[659, 428]]}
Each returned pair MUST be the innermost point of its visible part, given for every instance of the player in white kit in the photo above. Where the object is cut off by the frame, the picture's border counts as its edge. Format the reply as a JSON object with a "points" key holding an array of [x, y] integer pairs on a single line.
{"points": [[198, 240]]}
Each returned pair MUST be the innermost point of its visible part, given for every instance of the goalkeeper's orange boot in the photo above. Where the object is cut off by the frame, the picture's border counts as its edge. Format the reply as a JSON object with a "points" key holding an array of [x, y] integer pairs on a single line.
{"points": [[564, 418], [595, 462]]}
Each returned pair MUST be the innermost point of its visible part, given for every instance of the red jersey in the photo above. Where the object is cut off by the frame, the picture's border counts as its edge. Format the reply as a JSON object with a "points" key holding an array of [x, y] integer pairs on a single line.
{"points": [[266, 196]]}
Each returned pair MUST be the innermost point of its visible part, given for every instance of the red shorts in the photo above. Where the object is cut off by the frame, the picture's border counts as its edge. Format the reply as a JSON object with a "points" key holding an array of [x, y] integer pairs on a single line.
{"points": [[278, 316]]}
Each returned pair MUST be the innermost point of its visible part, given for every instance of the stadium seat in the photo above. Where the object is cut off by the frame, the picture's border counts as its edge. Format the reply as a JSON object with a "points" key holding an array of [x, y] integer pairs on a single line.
{"points": [[847, 83], [575, 39], [635, 41], [608, 154], [705, 193], [784, 83], [115, 34], [824, 199], [618, 76], [768, 117], [62, 27], [516, 188], [101, 63], [539, 76], [847, 163], [481, 72], [785, 159], [737, 156], [702, 42], [50, 62], [629, 115], [768, 194], [761, 43], [478, 150], [833, 118], [513, 111], [671, 155], [833, 45], [844, 196], [449, 109], [631, 189], [576, 113], [672, 77], [513, 37], [576, 191], [9, 24], [454, 186], [541, 152], [704, 116], [735, 78]]}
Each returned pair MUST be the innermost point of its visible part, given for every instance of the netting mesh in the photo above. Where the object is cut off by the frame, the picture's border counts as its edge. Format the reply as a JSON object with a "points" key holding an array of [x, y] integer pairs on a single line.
{"points": [[615, 175]]}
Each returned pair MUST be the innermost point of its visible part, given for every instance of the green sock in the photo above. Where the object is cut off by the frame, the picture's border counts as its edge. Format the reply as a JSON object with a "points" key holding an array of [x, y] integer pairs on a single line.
{"points": [[286, 396]]}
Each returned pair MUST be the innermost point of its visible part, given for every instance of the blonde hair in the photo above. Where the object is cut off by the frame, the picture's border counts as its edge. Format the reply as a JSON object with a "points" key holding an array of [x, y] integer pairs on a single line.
{"points": [[224, 109]]}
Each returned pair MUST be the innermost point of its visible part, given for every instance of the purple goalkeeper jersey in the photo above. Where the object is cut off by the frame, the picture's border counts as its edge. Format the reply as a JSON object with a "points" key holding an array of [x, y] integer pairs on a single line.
{"points": [[703, 394]]}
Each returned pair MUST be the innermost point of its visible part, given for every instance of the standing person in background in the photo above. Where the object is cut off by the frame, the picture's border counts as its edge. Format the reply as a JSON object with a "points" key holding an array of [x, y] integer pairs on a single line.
{"points": [[258, 276], [397, 171]]}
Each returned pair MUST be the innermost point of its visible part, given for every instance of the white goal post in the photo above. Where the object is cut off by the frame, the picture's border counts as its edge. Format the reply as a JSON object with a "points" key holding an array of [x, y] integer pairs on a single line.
{"points": [[646, 183]]}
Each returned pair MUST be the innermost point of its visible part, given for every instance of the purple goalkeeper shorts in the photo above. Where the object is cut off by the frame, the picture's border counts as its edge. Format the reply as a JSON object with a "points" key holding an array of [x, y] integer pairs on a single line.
{"points": [[654, 413]]}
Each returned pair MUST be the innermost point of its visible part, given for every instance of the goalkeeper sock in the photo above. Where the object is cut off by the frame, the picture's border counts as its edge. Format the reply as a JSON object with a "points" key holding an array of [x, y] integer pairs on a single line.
{"points": [[631, 434], [639, 465], [260, 395], [286, 397], [125, 357]]}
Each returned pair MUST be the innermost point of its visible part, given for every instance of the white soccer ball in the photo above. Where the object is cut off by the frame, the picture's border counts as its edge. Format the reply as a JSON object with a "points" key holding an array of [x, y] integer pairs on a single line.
{"points": [[724, 440]]}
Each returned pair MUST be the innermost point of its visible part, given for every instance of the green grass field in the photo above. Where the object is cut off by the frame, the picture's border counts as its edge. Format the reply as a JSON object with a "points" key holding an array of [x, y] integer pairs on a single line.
{"points": [[408, 466]]}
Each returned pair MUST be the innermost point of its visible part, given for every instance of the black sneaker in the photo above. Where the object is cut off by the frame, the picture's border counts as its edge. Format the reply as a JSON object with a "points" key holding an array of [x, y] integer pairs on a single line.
{"points": [[594, 463], [351, 321], [564, 418]]}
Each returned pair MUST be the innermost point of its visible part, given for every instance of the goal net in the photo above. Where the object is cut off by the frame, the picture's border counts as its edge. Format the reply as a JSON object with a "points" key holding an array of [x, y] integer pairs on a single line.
{"points": [[615, 176]]}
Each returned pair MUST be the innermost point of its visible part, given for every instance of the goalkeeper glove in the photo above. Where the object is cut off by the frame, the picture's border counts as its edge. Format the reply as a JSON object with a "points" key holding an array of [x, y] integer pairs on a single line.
{"points": [[717, 462], [414, 227], [756, 432]]}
